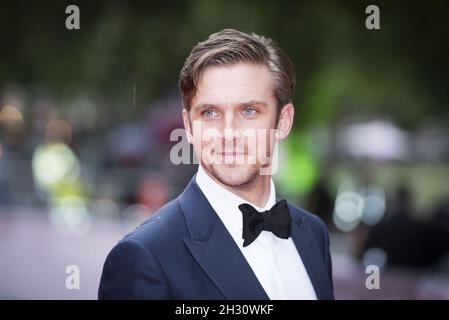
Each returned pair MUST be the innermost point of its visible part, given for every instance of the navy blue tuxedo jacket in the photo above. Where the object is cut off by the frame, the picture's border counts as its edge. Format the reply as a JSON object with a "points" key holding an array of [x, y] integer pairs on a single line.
{"points": [[184, 251]]}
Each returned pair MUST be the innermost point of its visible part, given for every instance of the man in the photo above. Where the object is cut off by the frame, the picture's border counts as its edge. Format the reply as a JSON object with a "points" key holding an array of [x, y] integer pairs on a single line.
{"points": [[225, 237]]}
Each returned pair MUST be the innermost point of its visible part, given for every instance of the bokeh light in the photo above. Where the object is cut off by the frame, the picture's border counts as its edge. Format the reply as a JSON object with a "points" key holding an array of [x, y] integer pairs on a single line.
{"points": [[54, 163]]}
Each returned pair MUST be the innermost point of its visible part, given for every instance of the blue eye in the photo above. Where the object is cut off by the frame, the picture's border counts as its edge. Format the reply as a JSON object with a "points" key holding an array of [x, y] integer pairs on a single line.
{"points": [[210, 114], [249, 111]]}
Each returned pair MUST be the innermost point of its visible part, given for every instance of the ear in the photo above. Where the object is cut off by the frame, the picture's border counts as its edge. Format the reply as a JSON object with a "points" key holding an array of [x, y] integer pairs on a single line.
{"points": [[285, 122], [186, 121]]}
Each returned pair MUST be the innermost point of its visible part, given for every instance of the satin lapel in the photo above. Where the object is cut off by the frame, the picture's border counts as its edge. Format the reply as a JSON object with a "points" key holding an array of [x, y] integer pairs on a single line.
{"points": [[311, 255]]}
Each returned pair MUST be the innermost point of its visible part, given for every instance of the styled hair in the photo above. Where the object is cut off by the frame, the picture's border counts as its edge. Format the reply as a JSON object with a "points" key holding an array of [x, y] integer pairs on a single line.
{"points": [[228, 47]]}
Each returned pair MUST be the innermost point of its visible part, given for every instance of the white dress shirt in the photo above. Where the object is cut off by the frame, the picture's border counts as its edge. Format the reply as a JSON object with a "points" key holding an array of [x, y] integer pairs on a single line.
{"points": [[275, 261]]}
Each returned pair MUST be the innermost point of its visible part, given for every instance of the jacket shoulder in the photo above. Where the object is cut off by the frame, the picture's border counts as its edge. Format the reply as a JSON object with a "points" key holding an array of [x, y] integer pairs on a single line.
{"points": [[166, 224]]}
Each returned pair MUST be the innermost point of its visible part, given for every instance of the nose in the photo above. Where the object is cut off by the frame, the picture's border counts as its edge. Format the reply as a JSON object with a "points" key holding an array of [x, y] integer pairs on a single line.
{"points": [[230, 132]]}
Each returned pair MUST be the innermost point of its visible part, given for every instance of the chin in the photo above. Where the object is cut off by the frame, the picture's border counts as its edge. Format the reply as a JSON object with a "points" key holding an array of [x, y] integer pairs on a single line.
{"points": [[234, 175]]}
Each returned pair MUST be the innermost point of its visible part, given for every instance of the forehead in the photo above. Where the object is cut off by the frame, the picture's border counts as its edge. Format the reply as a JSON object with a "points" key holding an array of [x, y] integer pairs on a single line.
{"points": [[228, 85]]}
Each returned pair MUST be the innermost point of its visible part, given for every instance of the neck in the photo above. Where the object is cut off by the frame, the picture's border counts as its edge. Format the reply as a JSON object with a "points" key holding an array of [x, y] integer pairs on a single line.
{"points": [[255, 191]]}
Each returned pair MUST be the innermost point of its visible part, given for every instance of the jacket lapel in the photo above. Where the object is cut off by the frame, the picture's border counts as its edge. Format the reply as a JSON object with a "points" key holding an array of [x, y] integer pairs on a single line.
{"points": [[215, 250], [311, 255]]}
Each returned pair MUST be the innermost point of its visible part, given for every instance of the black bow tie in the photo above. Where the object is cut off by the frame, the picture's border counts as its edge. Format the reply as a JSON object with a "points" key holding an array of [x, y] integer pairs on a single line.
{"points": [[276, 220]]}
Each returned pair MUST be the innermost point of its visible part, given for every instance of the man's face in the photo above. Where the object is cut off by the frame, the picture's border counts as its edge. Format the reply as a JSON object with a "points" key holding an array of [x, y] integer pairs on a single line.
{"points": [[232, 120]]}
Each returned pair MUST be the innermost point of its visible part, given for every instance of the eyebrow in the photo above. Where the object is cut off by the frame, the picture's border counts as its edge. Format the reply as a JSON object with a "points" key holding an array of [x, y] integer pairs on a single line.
{"points": [[250, 103]]}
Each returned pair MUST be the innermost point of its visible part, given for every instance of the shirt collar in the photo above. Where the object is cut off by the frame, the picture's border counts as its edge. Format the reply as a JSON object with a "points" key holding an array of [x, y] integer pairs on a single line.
{"points": [[225, 203]]}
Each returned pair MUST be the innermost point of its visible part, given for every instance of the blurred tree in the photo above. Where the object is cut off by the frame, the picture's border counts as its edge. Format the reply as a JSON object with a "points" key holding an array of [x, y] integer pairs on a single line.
{"points": [[127, 53]]}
